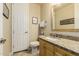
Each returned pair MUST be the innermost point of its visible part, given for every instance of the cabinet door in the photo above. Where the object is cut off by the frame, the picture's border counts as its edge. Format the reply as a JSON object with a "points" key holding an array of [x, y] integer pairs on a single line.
{"points": [[48, 52], [49, 49], [61, 52], [46, 49], [41, 48]]}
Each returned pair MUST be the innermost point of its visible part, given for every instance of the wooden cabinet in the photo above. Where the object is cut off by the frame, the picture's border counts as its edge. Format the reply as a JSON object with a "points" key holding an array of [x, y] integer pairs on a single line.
{"points": [[48, 49]]}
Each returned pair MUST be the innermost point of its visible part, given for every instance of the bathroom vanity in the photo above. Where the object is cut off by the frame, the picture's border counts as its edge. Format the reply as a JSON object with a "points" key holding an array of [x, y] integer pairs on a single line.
{"points": [[59, 47], [64, 18]]}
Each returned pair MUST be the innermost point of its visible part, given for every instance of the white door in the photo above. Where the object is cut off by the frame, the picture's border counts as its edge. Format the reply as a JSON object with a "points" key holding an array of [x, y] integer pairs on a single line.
{"points": [[20, 15]]}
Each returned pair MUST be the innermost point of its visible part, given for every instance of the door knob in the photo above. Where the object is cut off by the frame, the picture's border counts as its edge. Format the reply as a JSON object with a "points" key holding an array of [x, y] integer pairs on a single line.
{"points": [[26, 32], [2, 40]]}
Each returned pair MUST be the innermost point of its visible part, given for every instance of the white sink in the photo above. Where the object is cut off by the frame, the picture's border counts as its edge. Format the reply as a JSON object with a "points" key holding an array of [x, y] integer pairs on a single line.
{"points": [[51, 38]]}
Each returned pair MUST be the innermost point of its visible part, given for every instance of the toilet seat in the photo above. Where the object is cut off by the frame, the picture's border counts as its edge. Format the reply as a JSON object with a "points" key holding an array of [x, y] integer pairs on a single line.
{"points": [[34, 43]]}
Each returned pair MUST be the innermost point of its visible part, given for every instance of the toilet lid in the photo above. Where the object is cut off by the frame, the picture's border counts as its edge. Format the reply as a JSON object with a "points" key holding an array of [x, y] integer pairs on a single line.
{"points": [[35, 43]]}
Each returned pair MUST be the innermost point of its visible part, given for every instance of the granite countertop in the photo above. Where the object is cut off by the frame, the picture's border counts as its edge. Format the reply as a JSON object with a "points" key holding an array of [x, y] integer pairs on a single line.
{"points": [[65, 43]]}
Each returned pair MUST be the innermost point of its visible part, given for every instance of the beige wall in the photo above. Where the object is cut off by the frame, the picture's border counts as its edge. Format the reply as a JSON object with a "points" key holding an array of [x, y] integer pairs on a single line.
{"points": [[7, 33], [64, 12], [46, 15], [34, 10]]}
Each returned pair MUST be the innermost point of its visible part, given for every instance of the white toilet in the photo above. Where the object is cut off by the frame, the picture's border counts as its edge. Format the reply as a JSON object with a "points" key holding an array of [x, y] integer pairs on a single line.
{"points": [[34, 45]]}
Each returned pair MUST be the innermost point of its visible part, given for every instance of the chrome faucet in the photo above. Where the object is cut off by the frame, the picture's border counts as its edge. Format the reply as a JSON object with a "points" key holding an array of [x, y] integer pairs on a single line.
{"points": [[56, 35]]}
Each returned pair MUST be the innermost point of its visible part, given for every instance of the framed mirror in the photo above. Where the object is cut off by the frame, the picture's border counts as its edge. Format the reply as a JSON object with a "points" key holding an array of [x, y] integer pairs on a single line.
{"points": [[65, 17]]}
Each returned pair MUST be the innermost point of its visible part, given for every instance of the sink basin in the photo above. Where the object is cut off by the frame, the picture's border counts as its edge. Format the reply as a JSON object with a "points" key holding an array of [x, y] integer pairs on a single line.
{"points": [[51, 38]]}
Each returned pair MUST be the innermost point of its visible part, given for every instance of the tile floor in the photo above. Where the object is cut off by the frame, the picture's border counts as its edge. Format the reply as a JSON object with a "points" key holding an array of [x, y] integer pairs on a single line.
{"points": [[23, 53]]}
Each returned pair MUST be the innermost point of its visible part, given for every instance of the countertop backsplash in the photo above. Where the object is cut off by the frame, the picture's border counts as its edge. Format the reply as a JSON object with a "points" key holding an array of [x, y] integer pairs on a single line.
{"points": [[68, 35], [76, 34]]}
